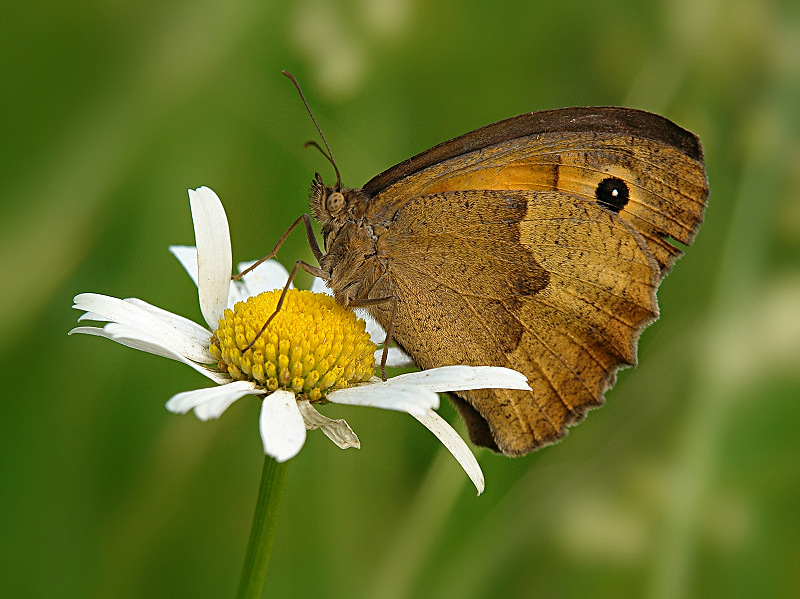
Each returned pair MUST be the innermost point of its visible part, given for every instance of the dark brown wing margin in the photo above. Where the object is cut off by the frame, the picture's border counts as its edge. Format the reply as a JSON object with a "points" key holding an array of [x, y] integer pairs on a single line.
{"points": [[604, 119]]}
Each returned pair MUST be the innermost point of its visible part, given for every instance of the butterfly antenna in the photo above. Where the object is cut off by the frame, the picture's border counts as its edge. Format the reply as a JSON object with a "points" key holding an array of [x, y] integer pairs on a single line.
{"points": [[329, 154], [321, 151]]}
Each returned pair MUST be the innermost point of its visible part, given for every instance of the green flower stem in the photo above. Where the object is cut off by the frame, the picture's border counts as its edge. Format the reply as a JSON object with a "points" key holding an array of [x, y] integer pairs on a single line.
{"points": [[254, 572]]}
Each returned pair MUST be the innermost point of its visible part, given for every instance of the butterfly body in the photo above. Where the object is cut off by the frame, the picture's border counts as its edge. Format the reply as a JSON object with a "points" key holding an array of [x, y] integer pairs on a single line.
{"points": [[535, 243]]}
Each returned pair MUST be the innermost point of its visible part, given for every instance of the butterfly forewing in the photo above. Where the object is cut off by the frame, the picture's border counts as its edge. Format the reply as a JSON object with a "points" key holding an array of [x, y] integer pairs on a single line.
{"points": [[573, 150]]}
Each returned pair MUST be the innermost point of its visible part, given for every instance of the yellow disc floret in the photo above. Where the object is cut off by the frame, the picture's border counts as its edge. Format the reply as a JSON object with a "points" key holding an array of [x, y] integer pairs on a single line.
{"points": [[312, 346]]}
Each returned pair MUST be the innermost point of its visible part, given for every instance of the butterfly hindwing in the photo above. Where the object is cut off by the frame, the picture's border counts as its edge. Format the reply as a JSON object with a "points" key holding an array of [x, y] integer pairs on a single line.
{"points": [[556, 288]]}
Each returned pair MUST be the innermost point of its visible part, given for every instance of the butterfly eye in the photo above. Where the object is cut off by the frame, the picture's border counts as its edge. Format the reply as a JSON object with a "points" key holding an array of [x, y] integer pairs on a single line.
{"points": [[334, 203]]}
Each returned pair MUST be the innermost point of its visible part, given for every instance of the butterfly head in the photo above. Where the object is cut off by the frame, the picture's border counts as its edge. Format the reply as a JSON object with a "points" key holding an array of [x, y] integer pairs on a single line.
{"points": [[327, 203], [332, 205]]}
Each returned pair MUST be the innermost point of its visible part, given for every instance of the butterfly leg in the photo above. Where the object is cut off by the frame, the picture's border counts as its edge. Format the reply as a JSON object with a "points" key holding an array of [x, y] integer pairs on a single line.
{"points": [[313, 270], [312, 241], [363, 303]]}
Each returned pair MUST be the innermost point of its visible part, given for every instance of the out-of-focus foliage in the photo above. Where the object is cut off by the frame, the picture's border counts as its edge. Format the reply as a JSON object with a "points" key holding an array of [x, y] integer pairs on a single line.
{"points": [[685, 485]]}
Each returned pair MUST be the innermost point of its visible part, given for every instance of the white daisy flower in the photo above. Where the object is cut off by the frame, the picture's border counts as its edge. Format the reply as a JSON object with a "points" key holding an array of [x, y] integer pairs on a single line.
{"points": [[313, 352]]}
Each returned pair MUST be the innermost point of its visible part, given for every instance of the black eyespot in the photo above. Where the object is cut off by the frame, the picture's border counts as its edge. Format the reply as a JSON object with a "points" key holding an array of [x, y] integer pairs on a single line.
{"points": [[612, 193]]}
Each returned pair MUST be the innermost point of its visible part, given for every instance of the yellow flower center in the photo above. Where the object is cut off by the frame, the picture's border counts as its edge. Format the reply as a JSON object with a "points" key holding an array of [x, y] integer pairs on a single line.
{"points": [[312, 346]]}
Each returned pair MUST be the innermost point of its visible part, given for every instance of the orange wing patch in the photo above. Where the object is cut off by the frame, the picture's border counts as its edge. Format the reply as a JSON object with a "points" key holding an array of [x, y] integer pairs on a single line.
{"points": [[666, 188]]}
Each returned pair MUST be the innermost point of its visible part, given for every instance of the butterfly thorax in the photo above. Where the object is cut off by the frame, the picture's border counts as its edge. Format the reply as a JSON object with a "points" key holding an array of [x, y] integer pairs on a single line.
{"points": [[349, 240]]}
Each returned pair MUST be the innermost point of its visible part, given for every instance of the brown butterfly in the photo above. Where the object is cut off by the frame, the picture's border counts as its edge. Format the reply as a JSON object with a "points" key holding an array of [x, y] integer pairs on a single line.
{"points": [[536, 243]]}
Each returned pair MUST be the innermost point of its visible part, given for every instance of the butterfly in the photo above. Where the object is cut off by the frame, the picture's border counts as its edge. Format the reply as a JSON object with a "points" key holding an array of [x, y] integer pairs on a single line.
{"points": [[535, 243]]}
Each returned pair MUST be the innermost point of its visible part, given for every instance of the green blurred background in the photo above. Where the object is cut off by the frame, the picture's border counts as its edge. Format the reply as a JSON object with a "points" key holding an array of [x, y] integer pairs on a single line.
{"points": [[687, 484]]}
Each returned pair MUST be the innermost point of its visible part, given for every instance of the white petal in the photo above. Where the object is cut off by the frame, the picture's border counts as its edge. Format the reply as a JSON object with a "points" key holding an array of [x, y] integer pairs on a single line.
{"points": [[318, 286], [266, 276], [135, 339], [237, 292], [403, 398], [126, 312], [397, 358], [216, 405], [214, 260], [461, 378], [337, 431], [210, 402], [375, 330], [283, 429], [455, 445], [113, 309], [197, 333], [128, 337], [187, 256], [88, 315]]}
